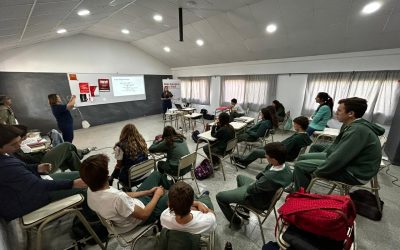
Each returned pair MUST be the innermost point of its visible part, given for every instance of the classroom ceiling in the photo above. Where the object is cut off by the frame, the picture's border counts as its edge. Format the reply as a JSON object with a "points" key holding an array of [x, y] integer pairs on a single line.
{"points": [[232, 30]]}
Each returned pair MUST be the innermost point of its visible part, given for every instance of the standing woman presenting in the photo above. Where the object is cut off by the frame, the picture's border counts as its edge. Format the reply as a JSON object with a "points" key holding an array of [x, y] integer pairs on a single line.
{"points": [[63, 116], [166, 100], [323, 113]]}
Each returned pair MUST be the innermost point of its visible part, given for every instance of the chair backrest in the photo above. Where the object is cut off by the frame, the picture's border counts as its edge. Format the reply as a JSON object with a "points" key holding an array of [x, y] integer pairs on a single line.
{"points": [[172, 239], [185, 161], [112, 231], [230, 146], [382, 140], [302, 150], [141, 169], [275, 198]]}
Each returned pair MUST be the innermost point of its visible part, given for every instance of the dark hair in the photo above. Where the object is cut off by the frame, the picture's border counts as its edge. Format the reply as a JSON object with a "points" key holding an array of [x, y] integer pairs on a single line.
{"points": [[277, 151], [169, 135], [269, 113], [277, 104], [23, 129], [327, 101], [355, 104], [8, 133], [234, 101], [52, 99], [3, 99], [302, 121], [94, 171], [180, 198], [224, 119]]}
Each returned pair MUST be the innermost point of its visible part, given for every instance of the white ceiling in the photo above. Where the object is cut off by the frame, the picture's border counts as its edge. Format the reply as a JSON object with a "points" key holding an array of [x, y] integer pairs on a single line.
{"points": [[233, 30]]}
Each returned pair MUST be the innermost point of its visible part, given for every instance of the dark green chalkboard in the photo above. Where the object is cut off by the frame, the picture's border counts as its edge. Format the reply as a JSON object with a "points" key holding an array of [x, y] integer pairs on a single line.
{"points": [[29, 91]]}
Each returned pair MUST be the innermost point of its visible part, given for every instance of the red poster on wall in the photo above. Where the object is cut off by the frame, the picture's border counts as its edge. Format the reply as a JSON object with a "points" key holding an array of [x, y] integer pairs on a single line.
{"points": [[104, 85], [84, 88]]}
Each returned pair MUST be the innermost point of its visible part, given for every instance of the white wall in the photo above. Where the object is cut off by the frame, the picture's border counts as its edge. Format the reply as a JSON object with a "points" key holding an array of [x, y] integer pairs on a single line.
{"points": [[293, 71], [290, 92], [81, 54]]}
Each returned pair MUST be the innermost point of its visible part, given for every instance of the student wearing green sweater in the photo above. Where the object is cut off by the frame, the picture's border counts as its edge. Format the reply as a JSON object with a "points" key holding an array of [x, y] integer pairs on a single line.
{"points": [[293, 144], [268, 121], [355, 155], [323, 113], [175, 146], [258, 192]]}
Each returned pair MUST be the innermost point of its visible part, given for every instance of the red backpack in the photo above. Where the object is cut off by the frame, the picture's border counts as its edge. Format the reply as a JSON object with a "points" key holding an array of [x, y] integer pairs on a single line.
{"points": [[326, 215]]}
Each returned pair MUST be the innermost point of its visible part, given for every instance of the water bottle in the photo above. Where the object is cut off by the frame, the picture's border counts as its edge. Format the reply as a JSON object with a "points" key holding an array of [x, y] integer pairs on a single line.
{"points": [[228, 246]]}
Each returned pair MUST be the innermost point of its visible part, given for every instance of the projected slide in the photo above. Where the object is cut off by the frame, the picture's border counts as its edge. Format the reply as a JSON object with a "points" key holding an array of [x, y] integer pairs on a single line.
{"points": [[128, 85], [98, 88]]}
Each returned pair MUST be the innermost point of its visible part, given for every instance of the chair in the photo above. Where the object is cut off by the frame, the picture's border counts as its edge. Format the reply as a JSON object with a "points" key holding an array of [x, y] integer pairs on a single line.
{"points": [[185, 162], [344, 188], [259, 142], [137, 171], [173, 239], [230, 148], [281, 125], [37, 220], [130, 237], [261, 213]]}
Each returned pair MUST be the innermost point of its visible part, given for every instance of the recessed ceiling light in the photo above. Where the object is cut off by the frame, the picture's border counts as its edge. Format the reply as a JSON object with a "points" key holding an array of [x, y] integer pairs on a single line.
{"points": [[271, 28], [60, 31], [371, 7], [167, 49], [158, 17], [200, 42], [83, 12], [125, 31]]}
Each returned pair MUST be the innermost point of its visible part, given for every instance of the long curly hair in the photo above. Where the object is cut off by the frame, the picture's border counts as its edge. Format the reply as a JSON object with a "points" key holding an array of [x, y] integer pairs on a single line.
{"points": [[133, 140], [269, 113]]}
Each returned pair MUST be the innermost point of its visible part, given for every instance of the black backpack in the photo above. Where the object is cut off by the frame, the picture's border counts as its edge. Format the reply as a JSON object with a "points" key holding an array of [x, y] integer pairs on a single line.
{"points": [[366, 204], [195, 135]]}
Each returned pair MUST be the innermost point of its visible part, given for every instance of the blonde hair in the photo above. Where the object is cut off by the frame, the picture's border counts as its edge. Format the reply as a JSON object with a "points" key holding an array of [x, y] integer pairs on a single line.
{"points": [[133, 140]]}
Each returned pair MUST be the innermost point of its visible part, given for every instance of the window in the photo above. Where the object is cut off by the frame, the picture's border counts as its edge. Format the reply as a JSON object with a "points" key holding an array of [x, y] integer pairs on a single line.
{"points": [[253, 91], [380, 89], [195, 90]]}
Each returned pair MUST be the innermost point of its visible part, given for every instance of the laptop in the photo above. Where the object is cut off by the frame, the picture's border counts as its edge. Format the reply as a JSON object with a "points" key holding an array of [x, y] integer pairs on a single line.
{"points": [[178, 106]]}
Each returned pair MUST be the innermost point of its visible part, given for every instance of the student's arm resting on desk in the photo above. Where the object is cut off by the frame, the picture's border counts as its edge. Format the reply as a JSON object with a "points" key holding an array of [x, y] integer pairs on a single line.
{"points": [[144, 213], [158, 146]]}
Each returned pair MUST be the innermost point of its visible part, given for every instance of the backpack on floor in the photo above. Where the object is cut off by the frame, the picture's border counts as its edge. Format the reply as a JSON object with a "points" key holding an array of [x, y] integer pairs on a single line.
{"points": [[326, 215], [195, 135], [204, 170], [366, 204]]}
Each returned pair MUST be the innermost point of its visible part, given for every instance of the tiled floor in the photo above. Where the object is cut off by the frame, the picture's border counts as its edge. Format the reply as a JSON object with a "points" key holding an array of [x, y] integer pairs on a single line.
{"points": [[370, 234]]}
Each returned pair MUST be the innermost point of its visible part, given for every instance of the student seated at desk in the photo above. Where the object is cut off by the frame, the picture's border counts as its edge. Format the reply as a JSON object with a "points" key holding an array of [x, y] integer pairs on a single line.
{"points": [[22, 189], [125, 210], [259, 192], [63, 156], [131, 149], [268, 121], [355, 155], [224, 132], [188, 213], [293, 144], [175, 146], [235, 110]]}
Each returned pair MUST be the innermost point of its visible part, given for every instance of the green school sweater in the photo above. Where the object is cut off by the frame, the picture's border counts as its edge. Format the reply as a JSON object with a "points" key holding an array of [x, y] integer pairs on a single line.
{"points": [[259, 129], [174, 153], [267, 182], [357, 149], [295, 143]]}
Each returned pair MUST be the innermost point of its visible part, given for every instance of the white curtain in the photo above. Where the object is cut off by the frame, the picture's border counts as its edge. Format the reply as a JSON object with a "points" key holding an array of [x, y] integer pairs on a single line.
{"points": [[251, 91], [380, 89], [195, 90]]}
